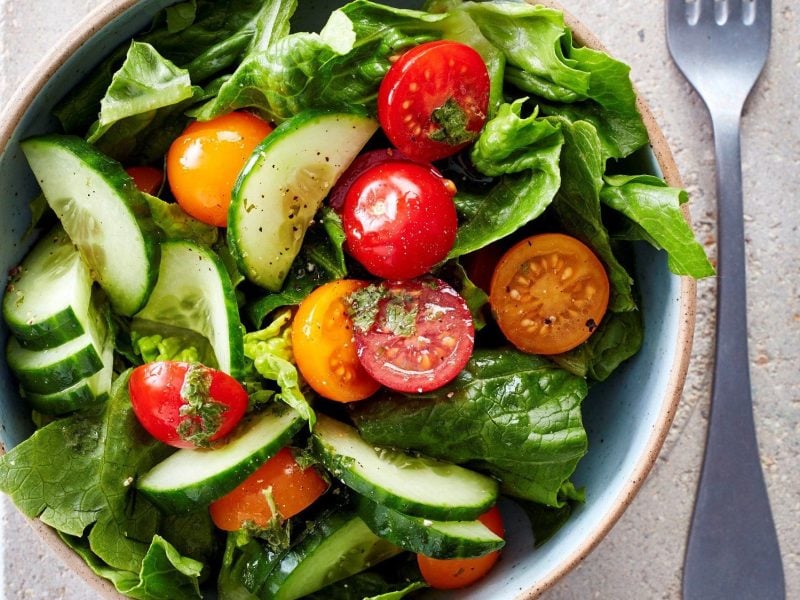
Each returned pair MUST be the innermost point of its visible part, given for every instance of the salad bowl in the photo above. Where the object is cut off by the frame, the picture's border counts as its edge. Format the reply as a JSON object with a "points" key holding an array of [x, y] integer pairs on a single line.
{"points": [[627, 417]]}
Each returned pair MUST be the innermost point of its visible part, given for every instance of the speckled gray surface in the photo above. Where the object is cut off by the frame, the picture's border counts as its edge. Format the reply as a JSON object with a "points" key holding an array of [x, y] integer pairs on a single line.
{"points": [[642, 556]]}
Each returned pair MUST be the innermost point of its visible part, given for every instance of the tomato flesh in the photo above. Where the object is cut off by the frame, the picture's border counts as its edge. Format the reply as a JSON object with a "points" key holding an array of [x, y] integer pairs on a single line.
{"points": [[549, 293], [412, 336], [399, 219], [205, 161], [455, 573], [322, 341], [186, 405], [434, 100], [293, 490], [148, 179]]}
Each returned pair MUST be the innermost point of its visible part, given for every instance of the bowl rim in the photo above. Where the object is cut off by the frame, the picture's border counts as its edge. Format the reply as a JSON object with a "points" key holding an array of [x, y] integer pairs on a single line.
{"points": [[109, 10]]}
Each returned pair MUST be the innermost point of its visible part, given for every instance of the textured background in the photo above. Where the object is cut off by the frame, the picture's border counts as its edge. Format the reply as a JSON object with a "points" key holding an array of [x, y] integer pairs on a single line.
{"points": [[642, 556]]}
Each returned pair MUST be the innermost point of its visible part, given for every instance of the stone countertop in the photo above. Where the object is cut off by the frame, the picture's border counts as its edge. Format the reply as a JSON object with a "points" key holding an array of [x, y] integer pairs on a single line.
{"points": [[642, 556]]}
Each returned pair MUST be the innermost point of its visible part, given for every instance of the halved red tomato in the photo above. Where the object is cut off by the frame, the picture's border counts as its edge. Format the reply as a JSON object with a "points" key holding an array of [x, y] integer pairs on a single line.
{"points": [[186, 405], [434, 100], [412, 336]]}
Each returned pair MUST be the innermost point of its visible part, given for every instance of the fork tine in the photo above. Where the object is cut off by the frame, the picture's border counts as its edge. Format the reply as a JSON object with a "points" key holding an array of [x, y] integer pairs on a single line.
{"points": [[707, 11], [676, 12], [736, 10]]}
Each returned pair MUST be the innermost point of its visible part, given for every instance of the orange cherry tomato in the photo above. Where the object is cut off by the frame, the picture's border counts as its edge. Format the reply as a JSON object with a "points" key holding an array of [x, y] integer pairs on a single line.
{"points": [[147, 179], [323, 345], [204, 163], [455, 573], [293, 489], [549, 293]]}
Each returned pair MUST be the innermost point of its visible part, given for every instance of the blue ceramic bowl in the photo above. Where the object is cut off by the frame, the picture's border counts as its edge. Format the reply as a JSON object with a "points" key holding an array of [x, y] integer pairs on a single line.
{"points": [[627, 418]]}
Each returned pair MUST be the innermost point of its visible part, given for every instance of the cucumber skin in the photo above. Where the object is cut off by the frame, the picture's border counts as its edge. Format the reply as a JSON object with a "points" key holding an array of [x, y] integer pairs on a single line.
{"points": [[134, 201], [200, 494], [47, 333], [410, 533], [341, 467], [62, 403], [59, 376], [322, 530], [294, 123]]}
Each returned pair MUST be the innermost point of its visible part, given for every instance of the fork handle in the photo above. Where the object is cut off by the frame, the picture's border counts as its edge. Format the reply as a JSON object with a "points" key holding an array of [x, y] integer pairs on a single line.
{"points": [[733, 547]]}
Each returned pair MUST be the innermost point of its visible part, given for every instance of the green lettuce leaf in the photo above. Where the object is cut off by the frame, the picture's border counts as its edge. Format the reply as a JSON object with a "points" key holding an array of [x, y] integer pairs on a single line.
{"points": [[143, 84], [164, 573], [655, 207], [70, 475], [524, 152], [205, 37], [577, 204], [177, 224], [270, 349], [619, 336], [337, 69], [542, 59], [513, 415]]}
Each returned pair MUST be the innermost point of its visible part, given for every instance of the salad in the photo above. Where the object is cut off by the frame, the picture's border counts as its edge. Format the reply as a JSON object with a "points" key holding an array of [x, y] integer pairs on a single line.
{"points": [[304, 305]]}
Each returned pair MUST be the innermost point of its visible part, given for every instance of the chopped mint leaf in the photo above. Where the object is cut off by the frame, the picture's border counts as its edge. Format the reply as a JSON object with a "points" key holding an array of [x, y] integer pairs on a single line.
{"points": [[363, 305], [399, 318], [452, 120], [202, 416]]}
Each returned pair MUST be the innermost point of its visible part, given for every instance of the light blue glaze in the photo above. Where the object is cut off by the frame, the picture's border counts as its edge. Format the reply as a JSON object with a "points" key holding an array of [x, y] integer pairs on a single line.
{"points": [[620, 415]]}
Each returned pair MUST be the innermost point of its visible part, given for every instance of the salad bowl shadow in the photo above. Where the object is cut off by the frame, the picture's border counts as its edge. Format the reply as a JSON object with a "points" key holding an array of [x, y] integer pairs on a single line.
{"points": [[627, 418]]}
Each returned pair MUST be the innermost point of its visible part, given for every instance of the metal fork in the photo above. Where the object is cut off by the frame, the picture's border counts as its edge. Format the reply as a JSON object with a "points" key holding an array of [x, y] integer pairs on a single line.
{"points": [[721, 47]]}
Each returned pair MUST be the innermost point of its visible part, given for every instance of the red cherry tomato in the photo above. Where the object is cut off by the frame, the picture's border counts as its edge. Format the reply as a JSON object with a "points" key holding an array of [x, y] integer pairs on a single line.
{"points": [[204, 163], [412, 336], [293, 489], [147, 179], [434, 100], [362, 162], [455, 573], [186, 405], [400, 219]]}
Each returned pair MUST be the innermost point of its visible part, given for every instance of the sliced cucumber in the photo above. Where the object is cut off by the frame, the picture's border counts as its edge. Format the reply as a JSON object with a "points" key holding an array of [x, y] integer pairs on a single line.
{"points": [[338, 546], [104, 214], [87, 392], [437, 539], [282, 186], [194, 292], [47, 299], [190, 479], [52, 370], [414, 485]]}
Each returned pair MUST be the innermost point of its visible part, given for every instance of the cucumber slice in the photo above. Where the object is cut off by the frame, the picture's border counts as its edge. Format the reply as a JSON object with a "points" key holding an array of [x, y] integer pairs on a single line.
{"points": [[54, 370], [104, 214], [194, 292], [437, 539], [87, 392], [190, 479], [414, 485], [47, 299], [282, 186], [338, 546]]}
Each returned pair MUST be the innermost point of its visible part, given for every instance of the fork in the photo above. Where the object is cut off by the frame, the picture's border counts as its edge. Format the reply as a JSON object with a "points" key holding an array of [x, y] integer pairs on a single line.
{"points": [[721, 47]]}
